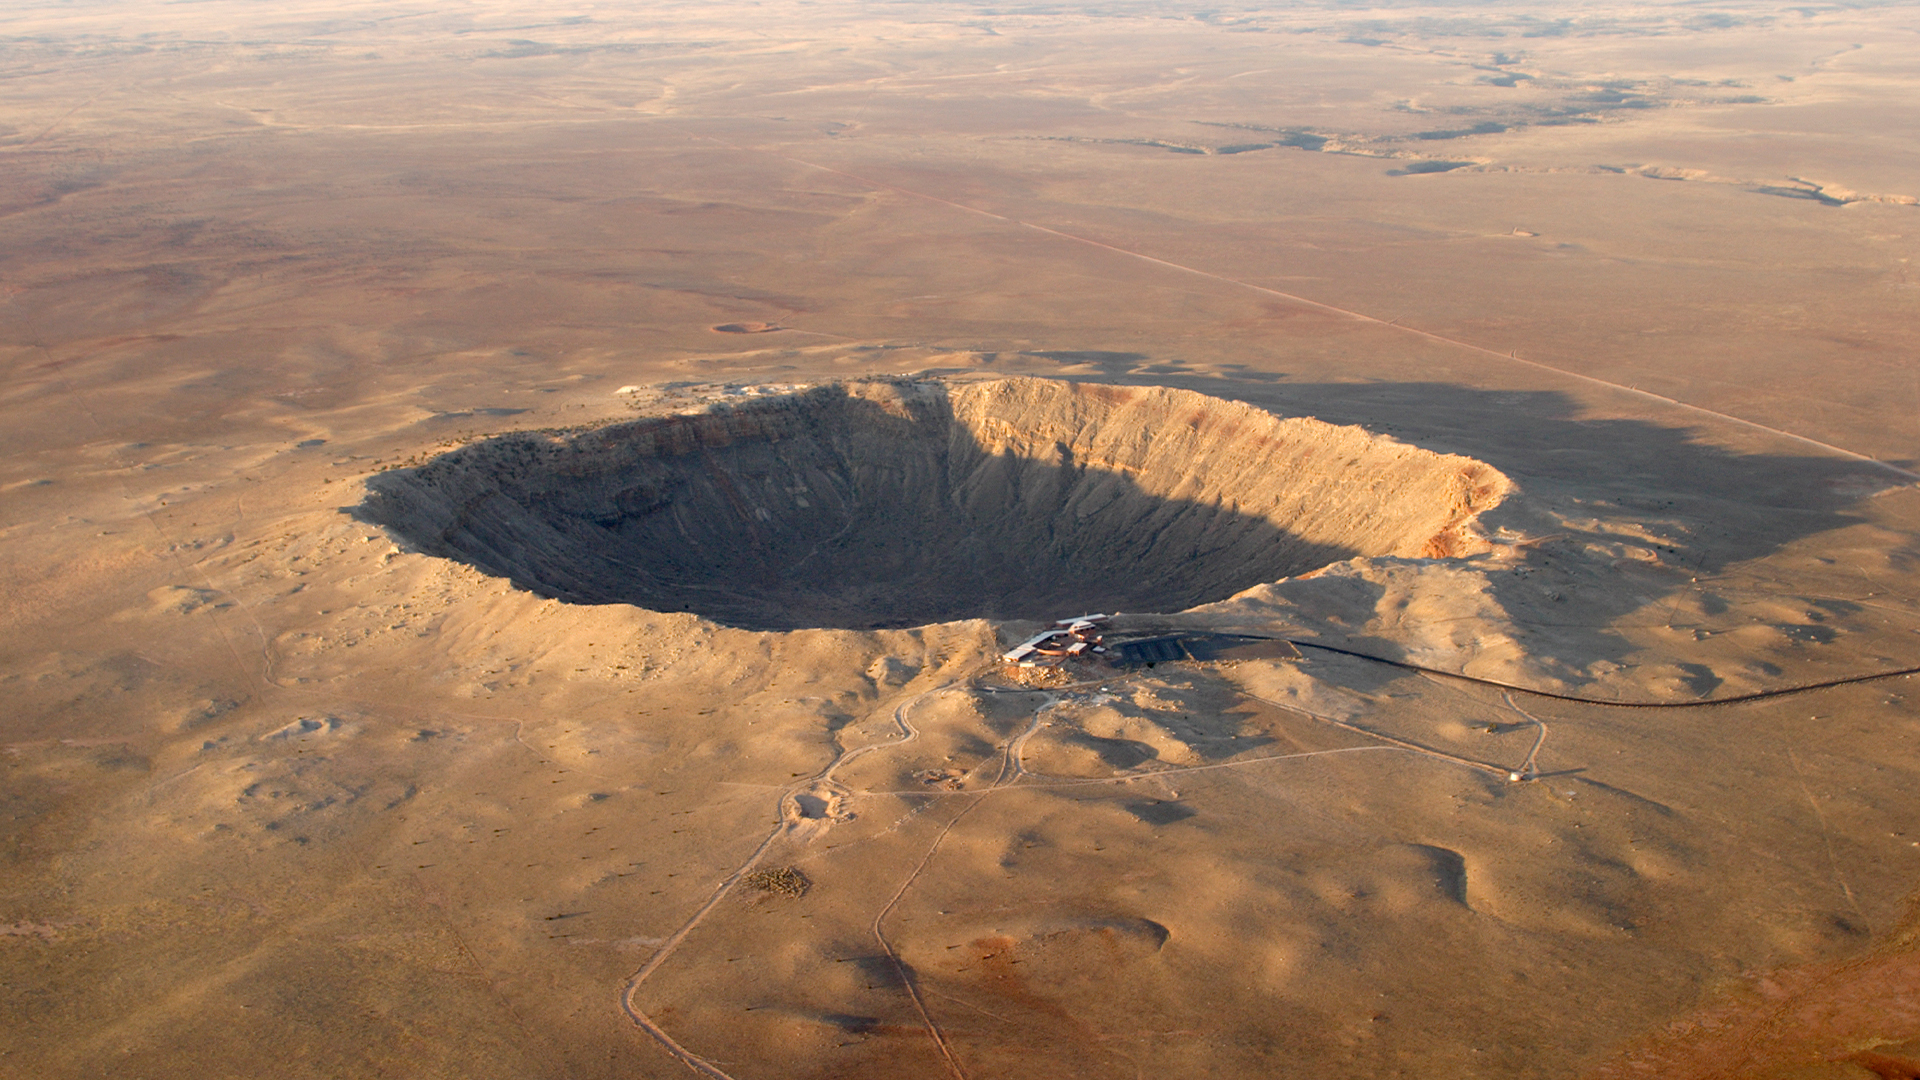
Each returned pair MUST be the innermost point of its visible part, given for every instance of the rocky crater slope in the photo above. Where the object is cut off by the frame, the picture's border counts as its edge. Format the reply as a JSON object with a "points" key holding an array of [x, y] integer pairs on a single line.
{"points": [[897, 503]]}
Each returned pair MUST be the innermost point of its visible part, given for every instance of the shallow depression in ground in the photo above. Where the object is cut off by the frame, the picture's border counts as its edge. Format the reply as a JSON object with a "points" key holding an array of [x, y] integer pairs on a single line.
{"points": [[899, 502]]}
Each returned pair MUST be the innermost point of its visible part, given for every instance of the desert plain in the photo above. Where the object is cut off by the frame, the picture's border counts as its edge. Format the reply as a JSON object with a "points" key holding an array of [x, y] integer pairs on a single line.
{"points": [[509, 516]]}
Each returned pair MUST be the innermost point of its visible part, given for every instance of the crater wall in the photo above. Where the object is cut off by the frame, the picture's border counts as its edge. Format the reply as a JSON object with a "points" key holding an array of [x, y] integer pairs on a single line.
{"points": [[873, 504]]}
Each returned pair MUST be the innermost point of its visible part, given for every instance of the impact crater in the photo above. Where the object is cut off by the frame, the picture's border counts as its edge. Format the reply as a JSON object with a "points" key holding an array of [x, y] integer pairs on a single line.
{"points": [[871, 504]]}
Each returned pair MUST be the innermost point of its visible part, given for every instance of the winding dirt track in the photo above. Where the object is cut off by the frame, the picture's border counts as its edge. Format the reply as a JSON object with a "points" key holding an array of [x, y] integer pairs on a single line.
{"points": [[1011, 774], [788, 816]]}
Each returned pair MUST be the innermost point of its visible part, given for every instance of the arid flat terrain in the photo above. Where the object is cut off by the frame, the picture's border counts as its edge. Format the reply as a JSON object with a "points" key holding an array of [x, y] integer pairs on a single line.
{"points": [[510, 513]]}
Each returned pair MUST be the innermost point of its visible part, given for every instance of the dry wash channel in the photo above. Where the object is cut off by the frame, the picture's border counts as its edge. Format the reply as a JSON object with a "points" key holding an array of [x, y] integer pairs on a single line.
{"points": [[897, 503]]}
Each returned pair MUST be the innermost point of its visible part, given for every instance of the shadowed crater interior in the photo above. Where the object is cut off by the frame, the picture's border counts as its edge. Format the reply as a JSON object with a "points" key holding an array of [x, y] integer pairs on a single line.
{"points": [[897, 503]]}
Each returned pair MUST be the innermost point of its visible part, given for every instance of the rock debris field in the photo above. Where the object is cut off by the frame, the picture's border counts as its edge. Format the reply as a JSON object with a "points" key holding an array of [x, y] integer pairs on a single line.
{"points": [[889, 503]]}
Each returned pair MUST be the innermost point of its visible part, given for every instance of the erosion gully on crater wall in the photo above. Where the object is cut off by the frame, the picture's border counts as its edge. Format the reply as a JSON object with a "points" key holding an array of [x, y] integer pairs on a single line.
{"points": [[890, 503]]}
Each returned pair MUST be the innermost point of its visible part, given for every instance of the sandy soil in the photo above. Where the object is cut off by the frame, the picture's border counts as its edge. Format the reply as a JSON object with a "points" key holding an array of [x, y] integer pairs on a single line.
{"points": [[286, 792]]}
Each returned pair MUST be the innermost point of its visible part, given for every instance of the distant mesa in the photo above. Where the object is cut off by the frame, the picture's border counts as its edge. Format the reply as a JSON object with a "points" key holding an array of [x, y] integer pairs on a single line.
{"points": [[747, 328], [888, 503]]}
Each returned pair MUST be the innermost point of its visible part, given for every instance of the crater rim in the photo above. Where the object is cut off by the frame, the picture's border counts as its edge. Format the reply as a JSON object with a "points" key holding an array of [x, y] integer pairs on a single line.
{"points": [[891, 502]]}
